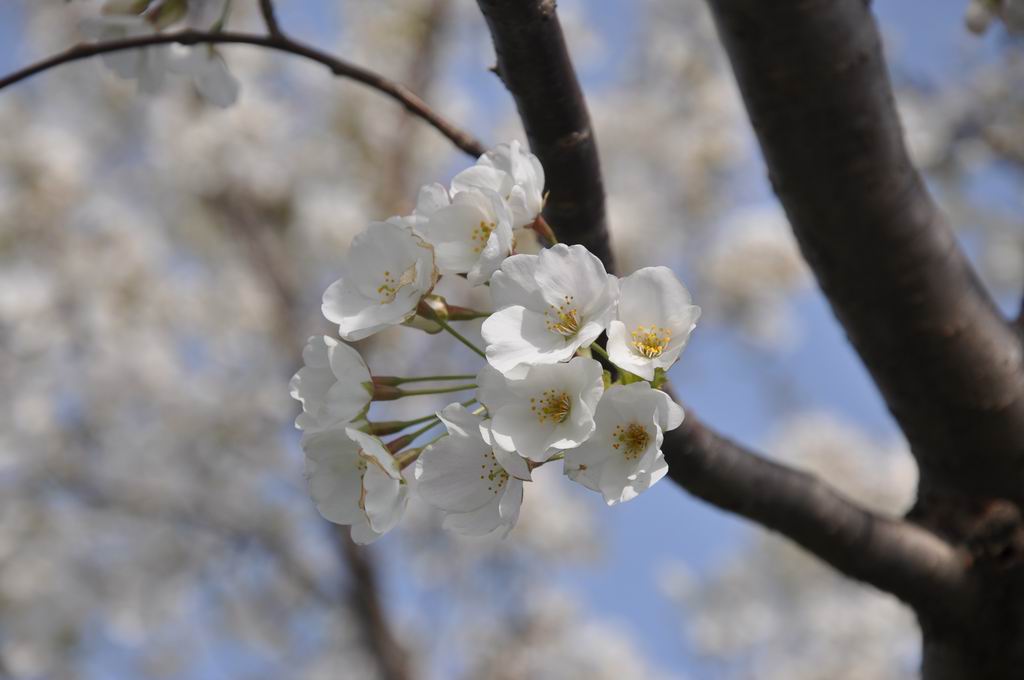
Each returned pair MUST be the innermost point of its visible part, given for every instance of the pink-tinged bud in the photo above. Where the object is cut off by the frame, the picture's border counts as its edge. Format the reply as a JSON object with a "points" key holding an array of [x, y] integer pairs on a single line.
{"points": [[544, 230]]}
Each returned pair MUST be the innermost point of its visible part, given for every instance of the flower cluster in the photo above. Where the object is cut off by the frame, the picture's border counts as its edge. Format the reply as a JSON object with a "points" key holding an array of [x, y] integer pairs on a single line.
{"points": [[541, 396], [150, 66]]}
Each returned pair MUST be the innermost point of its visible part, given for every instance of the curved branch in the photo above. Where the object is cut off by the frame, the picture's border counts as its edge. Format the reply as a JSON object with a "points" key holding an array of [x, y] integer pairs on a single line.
{"points": [[338, 67], [815, 84], [534, 64], [890, 554]]}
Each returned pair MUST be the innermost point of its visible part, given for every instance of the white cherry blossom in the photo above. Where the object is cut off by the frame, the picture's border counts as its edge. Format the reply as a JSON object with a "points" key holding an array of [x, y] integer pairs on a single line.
{"points": [[461, 475], [334, 385], [383, 276], [147, 65], [653, 324], [516, 175], [472, 235], [549, 305], [623, 457], [355, 481], [550, 408], [209, 72]]}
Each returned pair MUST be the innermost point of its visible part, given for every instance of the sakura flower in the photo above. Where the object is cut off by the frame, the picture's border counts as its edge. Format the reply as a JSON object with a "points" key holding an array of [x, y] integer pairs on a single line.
{"points": [[208, 70], [653, 324], [549, 305], [461, 475], [516, 175], [354, 480], [623, 457], [550, 408], [334, 385], [471, 235], [385, 273], [147, 65]]}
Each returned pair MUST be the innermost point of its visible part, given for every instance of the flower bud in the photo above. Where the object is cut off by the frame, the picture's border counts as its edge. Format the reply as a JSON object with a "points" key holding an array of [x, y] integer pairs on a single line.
{"points": [[544, 230], [433, 307]]}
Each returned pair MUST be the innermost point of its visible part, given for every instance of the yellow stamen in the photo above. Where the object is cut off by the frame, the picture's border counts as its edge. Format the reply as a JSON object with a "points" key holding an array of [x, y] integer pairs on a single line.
{"points": [[481, 234], [389, 289], [493, 473], [631, 440], [564, 319], [551, 406], [651, 341]]}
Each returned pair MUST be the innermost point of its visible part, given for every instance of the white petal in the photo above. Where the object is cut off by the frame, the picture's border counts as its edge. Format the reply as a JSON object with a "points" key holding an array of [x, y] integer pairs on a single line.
{"points": [[373, 450], [215, 82], [509, 505], [515, 424], [571, 270], [384, 499], [362, 533], [333, 475], [432, 197], [460, 421], [670, 414], [482, 177], [492, 389], [518, 338], [622, 355], [516, 284], [458, 474], [513, 463], [477, 522]]}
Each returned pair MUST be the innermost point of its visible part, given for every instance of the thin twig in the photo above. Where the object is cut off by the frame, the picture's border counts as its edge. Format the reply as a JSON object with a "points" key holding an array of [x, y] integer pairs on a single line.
{"points": [[270, 18], [338, 67]]}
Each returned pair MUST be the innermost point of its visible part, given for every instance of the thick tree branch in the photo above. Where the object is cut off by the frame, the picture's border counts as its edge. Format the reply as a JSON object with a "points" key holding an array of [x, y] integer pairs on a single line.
{"points": [[338, 67], [815, 84], [534, 64], [890, 554]]}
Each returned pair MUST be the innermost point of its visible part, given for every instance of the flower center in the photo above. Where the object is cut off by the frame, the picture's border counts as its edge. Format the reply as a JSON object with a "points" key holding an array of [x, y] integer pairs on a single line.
{"points": [[563, 319], [651, 341], [631, 440], [389, 289], [492, 472], [481, 234], [551, 406]]}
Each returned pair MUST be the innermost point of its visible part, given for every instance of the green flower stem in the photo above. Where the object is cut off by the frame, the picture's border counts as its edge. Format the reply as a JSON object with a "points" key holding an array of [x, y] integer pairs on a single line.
{"points": [[600, 351], [430, 378], [438, 390], [458, 336]]}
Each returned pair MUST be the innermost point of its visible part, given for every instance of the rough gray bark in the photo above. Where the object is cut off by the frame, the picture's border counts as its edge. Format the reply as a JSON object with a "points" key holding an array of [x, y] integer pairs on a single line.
{"points": [[815, 84]]}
